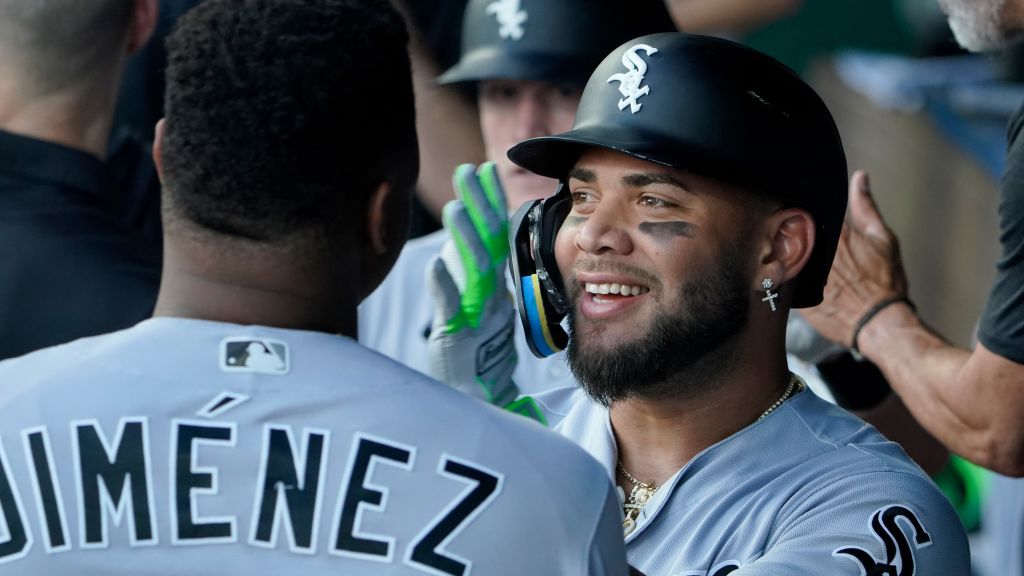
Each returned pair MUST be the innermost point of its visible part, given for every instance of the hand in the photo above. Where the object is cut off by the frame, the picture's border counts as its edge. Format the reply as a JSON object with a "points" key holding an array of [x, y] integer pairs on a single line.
{"points": [[471, 342], [867, 268]]}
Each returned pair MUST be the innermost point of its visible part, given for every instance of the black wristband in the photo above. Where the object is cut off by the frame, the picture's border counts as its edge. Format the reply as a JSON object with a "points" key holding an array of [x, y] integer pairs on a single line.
{"points": [[871, 313], [855, 385]]}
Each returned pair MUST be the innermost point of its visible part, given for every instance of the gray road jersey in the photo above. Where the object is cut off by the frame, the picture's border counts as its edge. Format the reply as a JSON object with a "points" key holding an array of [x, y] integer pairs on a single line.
{"points": [[190, 447], [811, 490]]}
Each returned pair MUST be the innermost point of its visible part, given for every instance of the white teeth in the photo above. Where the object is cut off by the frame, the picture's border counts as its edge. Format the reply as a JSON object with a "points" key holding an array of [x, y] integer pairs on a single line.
{"points": [[614, 288]]}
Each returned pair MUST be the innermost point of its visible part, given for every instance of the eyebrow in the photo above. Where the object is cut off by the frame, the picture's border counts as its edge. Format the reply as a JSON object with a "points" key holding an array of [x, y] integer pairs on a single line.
{"points": [[583, 174], [637, 180], [647, 178]]}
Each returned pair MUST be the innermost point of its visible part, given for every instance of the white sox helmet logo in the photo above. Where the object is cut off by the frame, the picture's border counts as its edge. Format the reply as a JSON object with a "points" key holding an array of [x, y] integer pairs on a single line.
{"points": [[510, 18], [899, 554], [631, 80]]}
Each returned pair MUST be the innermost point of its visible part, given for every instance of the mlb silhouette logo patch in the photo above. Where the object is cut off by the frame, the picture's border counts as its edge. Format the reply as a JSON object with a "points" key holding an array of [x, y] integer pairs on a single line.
{"points": [[260, 355]]}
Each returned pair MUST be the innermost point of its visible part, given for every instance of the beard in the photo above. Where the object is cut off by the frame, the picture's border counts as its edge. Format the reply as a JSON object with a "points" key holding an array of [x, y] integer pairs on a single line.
{"points": [[977, 24], [680, 349]]}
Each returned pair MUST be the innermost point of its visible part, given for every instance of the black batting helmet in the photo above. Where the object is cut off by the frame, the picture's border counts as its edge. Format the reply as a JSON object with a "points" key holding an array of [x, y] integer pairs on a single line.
{"points": [[719, 109], [559, 41]]}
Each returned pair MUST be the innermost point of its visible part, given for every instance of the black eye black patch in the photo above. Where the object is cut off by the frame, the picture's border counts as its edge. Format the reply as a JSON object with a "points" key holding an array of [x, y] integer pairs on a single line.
{"points": [[668, 230], [574, 220]]}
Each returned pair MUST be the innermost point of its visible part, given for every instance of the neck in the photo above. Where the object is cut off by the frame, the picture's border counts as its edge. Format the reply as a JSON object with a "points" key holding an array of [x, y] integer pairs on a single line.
{"points": [[78, 117], [658, 436], [265, 285]]}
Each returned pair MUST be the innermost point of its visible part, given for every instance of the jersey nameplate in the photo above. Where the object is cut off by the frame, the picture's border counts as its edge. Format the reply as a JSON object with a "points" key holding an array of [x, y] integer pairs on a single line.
{"points": [[293, 498]]}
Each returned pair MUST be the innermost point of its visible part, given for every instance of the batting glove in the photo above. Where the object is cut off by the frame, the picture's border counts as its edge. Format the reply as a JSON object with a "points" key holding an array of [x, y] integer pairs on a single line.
{"points": [[470, 345]]}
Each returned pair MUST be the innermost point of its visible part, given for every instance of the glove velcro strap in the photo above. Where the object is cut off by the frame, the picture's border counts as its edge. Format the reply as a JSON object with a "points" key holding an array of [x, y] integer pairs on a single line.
{"points": [[527, 406]]}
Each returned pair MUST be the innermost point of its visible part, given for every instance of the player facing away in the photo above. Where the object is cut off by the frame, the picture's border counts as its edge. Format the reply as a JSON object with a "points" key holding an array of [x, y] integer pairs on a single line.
{"points": [[703, 190], [243, 430]]}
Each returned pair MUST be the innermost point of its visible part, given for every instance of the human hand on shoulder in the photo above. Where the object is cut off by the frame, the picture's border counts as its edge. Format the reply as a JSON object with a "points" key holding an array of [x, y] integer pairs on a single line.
{"points": [[867, 271]]}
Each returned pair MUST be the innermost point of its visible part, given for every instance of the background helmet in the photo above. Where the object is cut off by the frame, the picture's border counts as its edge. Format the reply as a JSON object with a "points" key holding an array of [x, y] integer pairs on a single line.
{"points": [[558, 41], [718, 109]]}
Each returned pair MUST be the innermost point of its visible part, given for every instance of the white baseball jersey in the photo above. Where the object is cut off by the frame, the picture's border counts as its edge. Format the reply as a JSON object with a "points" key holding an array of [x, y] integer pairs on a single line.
{"points": [[395, 321], [203, 448], [810, 490]]}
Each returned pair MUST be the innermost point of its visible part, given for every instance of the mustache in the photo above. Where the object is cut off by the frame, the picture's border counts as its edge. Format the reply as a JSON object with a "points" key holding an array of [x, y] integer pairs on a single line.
{"points": [[593, 266]]}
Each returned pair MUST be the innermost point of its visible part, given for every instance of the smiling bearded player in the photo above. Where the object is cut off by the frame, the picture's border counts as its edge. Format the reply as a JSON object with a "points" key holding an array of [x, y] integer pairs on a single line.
{"points": [[703, 189]]}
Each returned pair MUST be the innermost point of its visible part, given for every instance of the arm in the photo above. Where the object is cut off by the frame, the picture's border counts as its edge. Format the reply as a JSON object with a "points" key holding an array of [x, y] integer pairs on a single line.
{"points": [[700, 16], [972, 401]]}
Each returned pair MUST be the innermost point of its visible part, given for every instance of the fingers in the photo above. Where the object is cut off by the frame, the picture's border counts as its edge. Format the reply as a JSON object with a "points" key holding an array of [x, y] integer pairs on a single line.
{"points": [[864, 212], [480, 198], [470, 246], [445, 294], [488, 174]]}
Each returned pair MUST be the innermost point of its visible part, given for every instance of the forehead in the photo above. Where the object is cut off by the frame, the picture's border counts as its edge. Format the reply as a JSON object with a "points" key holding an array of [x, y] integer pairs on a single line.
{"points": [[610, 165]]}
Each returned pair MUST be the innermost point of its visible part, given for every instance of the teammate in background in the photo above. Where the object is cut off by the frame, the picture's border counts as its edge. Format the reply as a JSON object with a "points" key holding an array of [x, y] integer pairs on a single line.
{"points": [[527, 61], [703, 191], [169, 448], [69, 266]]}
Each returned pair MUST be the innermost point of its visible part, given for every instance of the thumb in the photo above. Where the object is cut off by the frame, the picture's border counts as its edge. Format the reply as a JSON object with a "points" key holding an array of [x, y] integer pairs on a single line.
{"points": [[864, 214], [445, 294]]}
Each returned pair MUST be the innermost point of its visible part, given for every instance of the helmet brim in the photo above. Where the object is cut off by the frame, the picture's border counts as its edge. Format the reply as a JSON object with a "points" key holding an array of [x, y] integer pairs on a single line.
{"points": [[492, 64]]}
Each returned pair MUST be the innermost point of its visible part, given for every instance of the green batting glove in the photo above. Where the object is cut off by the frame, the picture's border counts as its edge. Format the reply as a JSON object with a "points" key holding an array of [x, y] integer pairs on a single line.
{"points": [[471, 346], [478, 225]]}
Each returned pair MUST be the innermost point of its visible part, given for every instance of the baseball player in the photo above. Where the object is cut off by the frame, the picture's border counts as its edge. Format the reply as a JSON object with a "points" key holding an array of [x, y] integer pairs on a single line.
{"points": [[703, 187], [244, 430], [527, 61]]}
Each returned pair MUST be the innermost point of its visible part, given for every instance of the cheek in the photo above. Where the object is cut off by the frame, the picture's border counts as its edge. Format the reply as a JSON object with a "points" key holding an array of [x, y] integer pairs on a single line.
{"points": [[496, 127], [561, 118], [565, 250]]}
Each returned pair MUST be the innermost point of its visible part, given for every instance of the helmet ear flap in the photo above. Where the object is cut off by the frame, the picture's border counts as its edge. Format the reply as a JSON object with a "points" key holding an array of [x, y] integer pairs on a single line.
{"points": [[540, 291]]}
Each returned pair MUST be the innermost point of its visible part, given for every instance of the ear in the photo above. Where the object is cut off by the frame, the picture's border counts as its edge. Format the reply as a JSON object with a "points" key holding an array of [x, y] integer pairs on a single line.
{"points": [[144, 17], [158, 149], [377, 220], [791, 235]]}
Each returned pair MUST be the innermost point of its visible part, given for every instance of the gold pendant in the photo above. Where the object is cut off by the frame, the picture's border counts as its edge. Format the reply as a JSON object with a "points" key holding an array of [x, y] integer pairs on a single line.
{"points": [[628, 525], [641, 494]]}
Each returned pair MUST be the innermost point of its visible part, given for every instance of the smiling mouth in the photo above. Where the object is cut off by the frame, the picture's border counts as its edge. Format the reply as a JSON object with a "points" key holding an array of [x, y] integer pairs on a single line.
{"points": [[615, 290]]}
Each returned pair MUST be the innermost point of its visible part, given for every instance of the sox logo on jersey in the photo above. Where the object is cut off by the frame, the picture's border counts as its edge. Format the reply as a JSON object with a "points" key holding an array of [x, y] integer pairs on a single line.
{"points": [[899, 554]]}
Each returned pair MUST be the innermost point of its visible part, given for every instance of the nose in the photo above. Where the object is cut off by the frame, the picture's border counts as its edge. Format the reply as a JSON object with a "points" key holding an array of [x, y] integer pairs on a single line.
{"points": [[532, 118], [603, 232]]}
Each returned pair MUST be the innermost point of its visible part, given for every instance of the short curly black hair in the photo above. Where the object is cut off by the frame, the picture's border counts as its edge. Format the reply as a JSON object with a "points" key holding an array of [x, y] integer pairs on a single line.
{"points": [[283, 115]]}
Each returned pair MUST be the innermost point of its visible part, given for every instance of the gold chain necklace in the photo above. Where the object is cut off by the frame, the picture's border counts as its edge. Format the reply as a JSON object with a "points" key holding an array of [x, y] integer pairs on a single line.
{"points": [[643, 491], [638, 498], [794, 386]]}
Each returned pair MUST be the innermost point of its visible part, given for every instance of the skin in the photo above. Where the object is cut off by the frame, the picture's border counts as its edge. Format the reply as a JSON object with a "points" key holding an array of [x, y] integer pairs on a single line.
{"points": [[711, 16], [514, 110], [80, 114], [301, 283], [971, 400], [616, 194], [447, 127]]}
